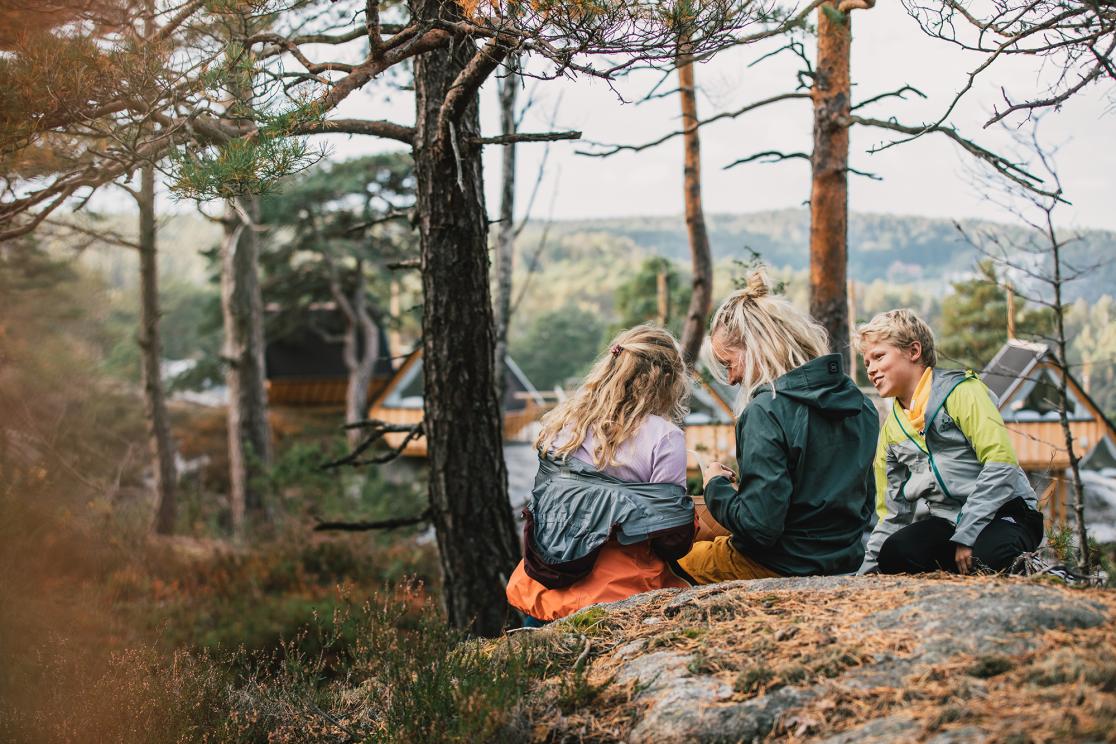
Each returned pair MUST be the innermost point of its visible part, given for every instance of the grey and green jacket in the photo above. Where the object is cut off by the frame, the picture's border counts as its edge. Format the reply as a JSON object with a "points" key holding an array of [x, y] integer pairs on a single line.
{"points": [[961, 464], [574, 509], [804, 446]]}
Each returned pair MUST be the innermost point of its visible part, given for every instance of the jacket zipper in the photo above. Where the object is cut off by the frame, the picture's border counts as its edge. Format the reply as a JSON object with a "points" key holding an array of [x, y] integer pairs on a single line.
{"points": [[926, 441]]}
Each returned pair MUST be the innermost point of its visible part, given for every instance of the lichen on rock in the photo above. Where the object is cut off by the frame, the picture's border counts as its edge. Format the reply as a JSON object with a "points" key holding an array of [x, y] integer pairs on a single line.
{"points": [[841, 659]]}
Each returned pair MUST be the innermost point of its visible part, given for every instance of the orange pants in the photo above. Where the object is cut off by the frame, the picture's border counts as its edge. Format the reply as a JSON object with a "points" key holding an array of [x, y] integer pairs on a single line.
{"points": [[717, 560]]}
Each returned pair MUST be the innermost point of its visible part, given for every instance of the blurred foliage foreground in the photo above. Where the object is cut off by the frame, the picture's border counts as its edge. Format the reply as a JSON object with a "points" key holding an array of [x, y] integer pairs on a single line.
{"points": [[110, 634]]}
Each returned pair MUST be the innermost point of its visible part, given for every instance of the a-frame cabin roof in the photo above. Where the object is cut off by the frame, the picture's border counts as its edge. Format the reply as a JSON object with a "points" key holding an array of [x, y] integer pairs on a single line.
{"points": [[1021, 375], [1011, 365], [404, 390], [1020, 365]]}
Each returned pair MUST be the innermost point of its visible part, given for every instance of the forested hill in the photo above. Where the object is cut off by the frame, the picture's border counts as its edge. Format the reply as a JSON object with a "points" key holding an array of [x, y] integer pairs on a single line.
{"points": [[898, 249], [895, 248]]}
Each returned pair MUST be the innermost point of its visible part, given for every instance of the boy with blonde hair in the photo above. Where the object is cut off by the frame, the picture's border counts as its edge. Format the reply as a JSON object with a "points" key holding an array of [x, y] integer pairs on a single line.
{"points": [[944, 444]]}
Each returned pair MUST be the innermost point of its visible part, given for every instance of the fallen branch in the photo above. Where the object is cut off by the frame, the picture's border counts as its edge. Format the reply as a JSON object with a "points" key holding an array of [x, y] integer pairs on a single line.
{"points": [[385, 524], [379, 429]]}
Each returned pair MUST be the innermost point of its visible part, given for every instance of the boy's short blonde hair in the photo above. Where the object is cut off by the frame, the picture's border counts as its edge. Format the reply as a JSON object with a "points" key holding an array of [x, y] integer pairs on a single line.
{"points": [[900, 328]]}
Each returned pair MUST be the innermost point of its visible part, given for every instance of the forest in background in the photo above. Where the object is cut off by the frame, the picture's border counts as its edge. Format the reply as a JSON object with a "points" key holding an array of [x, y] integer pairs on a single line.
{"points": [[578, 281]]}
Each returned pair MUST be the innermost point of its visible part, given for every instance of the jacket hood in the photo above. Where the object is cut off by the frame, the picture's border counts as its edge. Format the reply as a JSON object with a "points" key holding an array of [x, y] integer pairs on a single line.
{"points": [[821, 383]]}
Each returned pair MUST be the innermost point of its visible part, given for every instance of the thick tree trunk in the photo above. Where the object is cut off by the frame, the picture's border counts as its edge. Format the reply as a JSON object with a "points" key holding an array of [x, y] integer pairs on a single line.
{"points": [[505, 237], [242, 309], [151, 350], [468, 480], [701, 258], [829, 203]]}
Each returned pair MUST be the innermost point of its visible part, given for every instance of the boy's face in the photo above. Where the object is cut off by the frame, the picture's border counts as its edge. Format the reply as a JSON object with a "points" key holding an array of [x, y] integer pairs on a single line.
{"points": [[895, 372]]}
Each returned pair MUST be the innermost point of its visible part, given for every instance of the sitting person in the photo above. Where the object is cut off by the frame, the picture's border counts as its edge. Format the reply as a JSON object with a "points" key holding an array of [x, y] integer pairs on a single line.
{"points": [[609, 511], [804, 444], [943, 444]]}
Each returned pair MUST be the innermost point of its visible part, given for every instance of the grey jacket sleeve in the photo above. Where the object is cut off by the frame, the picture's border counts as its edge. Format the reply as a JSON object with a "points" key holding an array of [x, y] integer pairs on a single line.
{"points": [[894, 511], [997, 484]]}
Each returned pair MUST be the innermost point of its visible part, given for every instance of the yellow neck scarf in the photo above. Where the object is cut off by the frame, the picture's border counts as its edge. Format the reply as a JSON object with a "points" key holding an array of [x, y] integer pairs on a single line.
{"points": [[917, 412]]}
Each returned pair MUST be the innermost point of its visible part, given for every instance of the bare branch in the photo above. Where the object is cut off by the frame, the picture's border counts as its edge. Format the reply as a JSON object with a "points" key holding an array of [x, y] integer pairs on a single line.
{"points": [[769, 156], [384, 524], [102, 235], [378, 430], [613, 149], [507, 139], [396, 215], [893, 94], [1000, 164], [1045, 102]]}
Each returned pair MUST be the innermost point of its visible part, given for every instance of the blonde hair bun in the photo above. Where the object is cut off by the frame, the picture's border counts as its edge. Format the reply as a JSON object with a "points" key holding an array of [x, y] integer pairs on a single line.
{"points": [[768, 334], [757, 286]]}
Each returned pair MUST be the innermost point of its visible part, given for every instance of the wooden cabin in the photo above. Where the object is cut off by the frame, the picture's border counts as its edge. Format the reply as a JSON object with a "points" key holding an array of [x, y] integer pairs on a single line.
{"points": [[400, 402], [305, 366], [1025, 378]]}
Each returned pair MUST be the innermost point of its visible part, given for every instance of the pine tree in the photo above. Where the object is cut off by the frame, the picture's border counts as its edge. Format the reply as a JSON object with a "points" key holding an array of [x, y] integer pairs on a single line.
{"points": [[975, 320]]}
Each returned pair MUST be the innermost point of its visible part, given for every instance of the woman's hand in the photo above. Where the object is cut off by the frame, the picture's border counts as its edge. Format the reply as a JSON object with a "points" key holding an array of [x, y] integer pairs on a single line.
{"points": [[714, 469], [963, 557]]}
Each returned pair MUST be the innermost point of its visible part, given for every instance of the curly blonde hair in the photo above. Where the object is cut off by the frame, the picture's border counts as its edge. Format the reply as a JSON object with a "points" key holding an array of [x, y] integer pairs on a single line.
{"points": [[642, 373], [771, 335]]}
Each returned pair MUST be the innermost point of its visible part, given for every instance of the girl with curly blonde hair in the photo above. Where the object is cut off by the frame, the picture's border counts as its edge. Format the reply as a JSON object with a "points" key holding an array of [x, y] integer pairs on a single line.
{"points": [[609, 512]]}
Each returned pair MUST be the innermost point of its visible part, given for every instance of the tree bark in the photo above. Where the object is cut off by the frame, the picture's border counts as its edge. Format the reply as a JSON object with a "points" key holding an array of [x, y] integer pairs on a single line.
{"points": [[360, 351], [829, 190], [151, 350], [701, 258], [1084, 557], [468, 480], [662, 293], [242, 310], [505, 237]]}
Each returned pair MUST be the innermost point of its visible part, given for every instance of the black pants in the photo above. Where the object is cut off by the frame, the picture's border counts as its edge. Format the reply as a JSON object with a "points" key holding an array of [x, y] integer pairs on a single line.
{"points": [[925, 546]]}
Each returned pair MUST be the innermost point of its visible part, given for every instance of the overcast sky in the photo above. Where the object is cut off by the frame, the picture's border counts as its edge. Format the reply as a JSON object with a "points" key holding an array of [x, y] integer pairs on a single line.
{"points": [[929, 177]]}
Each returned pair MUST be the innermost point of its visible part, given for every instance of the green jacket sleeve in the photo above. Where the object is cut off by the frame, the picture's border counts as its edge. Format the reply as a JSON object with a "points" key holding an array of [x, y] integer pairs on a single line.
{"points": [[755, 513], [1001, 478]]}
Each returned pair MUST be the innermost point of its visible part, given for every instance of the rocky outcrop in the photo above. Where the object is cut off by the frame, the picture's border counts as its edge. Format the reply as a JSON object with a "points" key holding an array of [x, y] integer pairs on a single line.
{"points": [[837, 659]]}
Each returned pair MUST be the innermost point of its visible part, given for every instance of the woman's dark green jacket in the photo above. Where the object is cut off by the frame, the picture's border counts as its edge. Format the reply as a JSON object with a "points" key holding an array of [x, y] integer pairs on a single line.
{"points": [[806, 488]]}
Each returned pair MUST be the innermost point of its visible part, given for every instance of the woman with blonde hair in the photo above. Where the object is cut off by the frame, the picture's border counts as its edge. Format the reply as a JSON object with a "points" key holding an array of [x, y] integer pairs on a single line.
{"points": [[609, 512], [805, 437]]}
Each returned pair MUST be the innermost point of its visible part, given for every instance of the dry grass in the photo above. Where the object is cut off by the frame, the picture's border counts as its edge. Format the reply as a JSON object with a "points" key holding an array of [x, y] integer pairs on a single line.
{"points": [[757, 642]]}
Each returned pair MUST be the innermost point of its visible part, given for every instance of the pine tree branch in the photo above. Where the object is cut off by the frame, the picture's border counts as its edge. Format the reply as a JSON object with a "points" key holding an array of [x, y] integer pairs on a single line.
{"points": [[374, 128]]}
